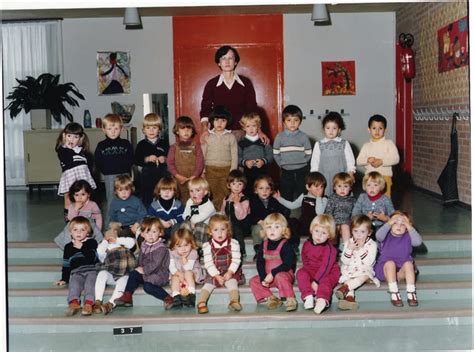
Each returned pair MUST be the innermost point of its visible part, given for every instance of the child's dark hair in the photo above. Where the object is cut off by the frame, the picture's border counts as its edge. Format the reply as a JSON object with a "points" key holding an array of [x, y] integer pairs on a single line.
{"points": [[77, 186], [220, 112], [167, 182], [224, 50], [236, 175], [265, 178], [315, 178], [378, 118], [73, 128], [335, 117], [149, 222], [360, 220], [184, 122], [292, 110], [80, 220]]}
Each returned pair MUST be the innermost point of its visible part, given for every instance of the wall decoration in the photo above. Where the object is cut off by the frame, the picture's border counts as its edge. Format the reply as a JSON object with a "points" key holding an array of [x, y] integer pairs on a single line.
{"points": [[338, 77], [113, 72], [453, 46]]}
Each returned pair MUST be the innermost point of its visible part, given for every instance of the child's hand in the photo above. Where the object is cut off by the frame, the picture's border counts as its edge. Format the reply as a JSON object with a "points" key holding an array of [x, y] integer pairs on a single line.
{"points": [[228, 275], [151, 159], [166, 224], [139, 269], [259, 163], [268, 279], [162, 159], [276, 194], [381, 216], [351, 245], [314, 286], [406, 223], [249, 163], [220, 279], [60, 283], [134, 228], [370, 214], [377, 163]]}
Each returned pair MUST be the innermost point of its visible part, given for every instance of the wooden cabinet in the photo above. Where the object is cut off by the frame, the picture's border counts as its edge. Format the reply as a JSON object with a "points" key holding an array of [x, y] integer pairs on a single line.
{"points": [[41, 161]]}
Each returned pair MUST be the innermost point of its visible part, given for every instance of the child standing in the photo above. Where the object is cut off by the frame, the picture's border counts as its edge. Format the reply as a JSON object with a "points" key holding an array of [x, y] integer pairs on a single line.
{"points": [[254, 155], [332, 154], [292, 152], [320, 271], [153, 266], [72, 147], [222, 262], [341, 203], [274, 265], [81, 205], [113, 156], [237, 207], [373, 203], [116, 262], [396, 239], [79, 259], [185, 268], [150, 154], [185, 159], [166, 206], [198, 209], [357, 262], [220, 153], [379, 154]]}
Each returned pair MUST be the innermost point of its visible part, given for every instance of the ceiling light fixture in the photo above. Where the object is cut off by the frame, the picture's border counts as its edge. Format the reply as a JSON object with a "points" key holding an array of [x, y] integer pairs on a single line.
{"points": [[320, 13], [131, 19]]}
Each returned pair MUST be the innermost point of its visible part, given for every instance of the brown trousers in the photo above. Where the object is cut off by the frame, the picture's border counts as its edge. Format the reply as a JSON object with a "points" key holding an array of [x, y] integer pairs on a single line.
{"points": [[217, 178]]}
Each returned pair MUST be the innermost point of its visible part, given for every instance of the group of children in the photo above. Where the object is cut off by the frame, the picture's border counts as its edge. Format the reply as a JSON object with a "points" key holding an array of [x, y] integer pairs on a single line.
{"points": [[198, 201]]}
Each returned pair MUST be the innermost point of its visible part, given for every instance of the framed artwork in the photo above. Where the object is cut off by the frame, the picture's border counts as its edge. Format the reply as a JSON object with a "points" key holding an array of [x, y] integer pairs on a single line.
{"points": [[338, 77], [113, 72], [453, 46]]}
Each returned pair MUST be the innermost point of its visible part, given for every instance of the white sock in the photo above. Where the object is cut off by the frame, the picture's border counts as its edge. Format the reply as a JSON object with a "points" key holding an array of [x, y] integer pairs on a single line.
{"points": [[350, 293], [411, 288], [192, 290], [174, 293], [393, 286], [320, 305]]}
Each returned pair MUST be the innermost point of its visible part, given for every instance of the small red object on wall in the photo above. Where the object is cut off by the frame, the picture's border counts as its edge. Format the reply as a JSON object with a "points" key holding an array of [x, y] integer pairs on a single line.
{"points": [[338, 77], [453, 46], [98, 122]]}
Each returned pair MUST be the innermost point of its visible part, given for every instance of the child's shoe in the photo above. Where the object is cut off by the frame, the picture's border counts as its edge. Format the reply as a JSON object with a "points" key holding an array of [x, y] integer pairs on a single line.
{"points": [[87, 309], [97, 308], [125, 300], [273, 302], [179, 301], [73, 308], [202, 308], [291, 304], [348, 303], [395, 299], [107, 308], [309, 302], [234, 303], [191, 300], [168, 302], [411, 299], [320, 305], [342, 291]]}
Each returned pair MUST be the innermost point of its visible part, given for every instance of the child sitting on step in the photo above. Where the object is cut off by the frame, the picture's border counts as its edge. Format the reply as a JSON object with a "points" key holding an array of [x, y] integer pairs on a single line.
{"points": [[396, 240]]}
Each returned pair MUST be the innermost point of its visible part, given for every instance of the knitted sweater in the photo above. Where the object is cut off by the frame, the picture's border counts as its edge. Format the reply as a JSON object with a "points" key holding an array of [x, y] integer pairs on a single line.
{"points": [[359, 262], [340, 208], [199, 212], [146, 148], [90, 210], [128, 211], [383, 149], [82, 259], [348, 155], [70, 158], [155, 260], [175, 213], [220, 149], [292, 150], [364, 205], [253, 150], [114, 156]]}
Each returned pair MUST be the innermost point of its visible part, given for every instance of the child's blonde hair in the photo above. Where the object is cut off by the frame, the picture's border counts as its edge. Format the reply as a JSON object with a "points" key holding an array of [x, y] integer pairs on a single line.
{"points": [[153, 119], [199, 183], [251, 117], [326, 221], [123, 182], [402, 213], [360, 220], [111, 119], [219, 219], [73, 128], [151, 221], [265, 178], [342, 177], [80, 220], [182, 235], [276, 218], [167, 182], [373, 176]]}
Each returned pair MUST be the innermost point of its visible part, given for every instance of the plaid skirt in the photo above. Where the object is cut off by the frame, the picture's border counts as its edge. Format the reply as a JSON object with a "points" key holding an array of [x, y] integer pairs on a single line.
{"points": [[70, 176]]}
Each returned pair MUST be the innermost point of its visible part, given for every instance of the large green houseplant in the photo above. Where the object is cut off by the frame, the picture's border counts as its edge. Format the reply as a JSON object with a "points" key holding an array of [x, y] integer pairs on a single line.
{"points": [[44, 92]]}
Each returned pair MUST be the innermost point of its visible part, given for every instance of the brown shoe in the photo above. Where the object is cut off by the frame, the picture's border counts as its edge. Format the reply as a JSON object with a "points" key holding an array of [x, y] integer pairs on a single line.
{"points": [[395, 299], [348, 303], [411, 299], [235, 306], [291, 304], [107, 308], [87, 309], [202, 308], [97, 308], [342, 291], [72, 309], [273, 302], [125, 300]]}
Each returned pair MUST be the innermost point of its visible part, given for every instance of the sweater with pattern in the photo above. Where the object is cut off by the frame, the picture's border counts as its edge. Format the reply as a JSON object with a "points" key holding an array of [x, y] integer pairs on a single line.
{"points": [[292, 150]]}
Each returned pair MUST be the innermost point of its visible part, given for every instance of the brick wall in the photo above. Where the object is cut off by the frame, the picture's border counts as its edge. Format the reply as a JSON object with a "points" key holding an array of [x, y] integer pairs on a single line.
{"points": [[432, 90]]}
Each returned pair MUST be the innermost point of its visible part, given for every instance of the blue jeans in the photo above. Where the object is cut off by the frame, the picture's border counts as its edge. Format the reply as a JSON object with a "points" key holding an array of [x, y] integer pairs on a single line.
{"points": [[135, 279]]}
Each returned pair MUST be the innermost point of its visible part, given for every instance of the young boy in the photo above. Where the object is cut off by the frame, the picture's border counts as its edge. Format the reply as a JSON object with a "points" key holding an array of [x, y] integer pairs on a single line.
{"points": [[379, 154], [220, 153], [113, 156], [292, 152], [198, 209], [151, 155], [254, 155]]}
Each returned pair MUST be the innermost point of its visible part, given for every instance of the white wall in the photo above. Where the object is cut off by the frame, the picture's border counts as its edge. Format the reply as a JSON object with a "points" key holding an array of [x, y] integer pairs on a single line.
{"points": [[367, 38]]}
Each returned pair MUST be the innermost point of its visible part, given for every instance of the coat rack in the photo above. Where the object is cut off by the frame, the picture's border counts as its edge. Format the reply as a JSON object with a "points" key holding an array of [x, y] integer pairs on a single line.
{"points": [[440, 114]]}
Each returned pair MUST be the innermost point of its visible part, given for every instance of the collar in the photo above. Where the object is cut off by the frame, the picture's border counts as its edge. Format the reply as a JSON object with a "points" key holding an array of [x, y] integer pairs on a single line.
{"points": [[236, 79], [252, 138], [204, 200], [226, 131], [77, 149], [290, 133], [222, 243], [152, 141], [374, 198], [378, 140], [325, 140]]}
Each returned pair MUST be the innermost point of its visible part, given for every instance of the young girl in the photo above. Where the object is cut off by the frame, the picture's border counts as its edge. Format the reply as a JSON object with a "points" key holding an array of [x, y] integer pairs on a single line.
{"points": [[341, 203], [396, 239], [153, 266], [220, 153], [166, 206], [373, 203], [116, 262], [185, 159], [320, 272], [72, 147], [274, 265], [79, 260], [357, 262], [332, 154], [185, 268], [79, 194], [222, 262], [237, 207]]}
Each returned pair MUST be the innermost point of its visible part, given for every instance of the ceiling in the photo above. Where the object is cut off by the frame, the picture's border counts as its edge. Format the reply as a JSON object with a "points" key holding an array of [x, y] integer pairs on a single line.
{"points": [[188, 11]]}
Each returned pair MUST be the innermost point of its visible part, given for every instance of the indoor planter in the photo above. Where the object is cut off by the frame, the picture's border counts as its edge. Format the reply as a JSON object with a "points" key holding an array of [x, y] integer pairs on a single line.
{"points": [[46, 93]]}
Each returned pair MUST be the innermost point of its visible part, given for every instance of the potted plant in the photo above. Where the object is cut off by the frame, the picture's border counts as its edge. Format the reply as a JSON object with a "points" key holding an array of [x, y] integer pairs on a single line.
{"points": [[44, 92]]}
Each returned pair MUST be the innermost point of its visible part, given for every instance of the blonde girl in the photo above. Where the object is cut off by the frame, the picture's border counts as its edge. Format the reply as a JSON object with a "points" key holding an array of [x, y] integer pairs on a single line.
{"points": [[222, 262], [72, 147], [185, 268]]}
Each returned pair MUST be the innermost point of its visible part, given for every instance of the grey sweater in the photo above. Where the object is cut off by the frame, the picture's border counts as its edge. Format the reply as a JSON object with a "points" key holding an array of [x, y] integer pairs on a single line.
{"points": [[364, 205], [249, 150], [292, 150]]}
